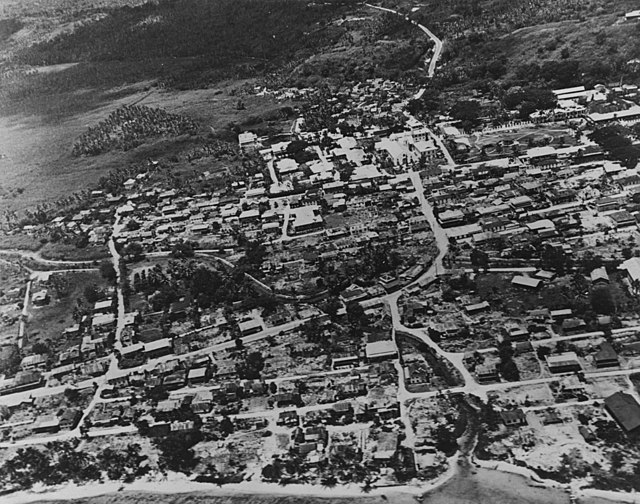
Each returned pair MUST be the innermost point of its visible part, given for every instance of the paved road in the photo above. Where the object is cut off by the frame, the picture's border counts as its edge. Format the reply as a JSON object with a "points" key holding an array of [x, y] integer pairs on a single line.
{"points": [[437, 50]]}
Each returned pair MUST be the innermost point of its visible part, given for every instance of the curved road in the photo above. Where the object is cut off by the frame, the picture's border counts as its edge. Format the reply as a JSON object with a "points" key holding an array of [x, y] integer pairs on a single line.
{"points": [[437, 50]]}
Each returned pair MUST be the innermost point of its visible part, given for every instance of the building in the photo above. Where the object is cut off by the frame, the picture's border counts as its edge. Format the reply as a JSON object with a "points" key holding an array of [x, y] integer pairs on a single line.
{"points": [[198, 375], [381, 350], [288, 418], [70, 418], [525, 281], [23, 380], [607, 203], [625, 410], [349, 361], [598, 119], [573, 325], [202, 402], [606, 356], [623, 219], [40, 298], [285, 399], [632, 269], [563, 363], [487, 373], [249, 327], [599, 276], [32, 362], [472, 309], [175, 380], [104, 306], [158, 348], [306, 219], [48, 423], [513, 418], [248, 141], [103, 321], [450, 218]]}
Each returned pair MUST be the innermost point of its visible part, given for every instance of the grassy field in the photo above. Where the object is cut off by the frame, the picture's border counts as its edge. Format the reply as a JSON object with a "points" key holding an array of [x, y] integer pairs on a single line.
{"points": [[38, 165], [46, 324], [19, 241], [66, 252]]}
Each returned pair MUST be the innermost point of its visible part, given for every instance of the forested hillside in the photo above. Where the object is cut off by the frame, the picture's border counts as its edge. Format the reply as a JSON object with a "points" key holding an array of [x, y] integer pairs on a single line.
{"points": [[532, 42], [205, 35]]}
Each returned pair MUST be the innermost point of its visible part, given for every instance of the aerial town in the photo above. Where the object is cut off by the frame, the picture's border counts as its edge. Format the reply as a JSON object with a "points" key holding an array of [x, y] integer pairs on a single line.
{"points": [[366, 298]]}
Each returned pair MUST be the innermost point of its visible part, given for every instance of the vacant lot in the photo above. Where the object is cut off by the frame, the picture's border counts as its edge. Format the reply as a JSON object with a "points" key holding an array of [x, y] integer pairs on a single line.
{"points": [[47, 323]]}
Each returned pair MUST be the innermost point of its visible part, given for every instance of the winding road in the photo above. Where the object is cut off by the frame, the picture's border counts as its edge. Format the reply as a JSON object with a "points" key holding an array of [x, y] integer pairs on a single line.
{"points": [[437, 50]]}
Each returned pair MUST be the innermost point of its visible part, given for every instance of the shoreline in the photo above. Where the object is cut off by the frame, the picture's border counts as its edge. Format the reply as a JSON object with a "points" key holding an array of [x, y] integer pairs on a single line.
{"points": [[500, 475]]}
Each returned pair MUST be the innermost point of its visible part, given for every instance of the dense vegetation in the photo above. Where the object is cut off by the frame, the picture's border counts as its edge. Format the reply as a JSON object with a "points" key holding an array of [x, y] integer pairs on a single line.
{"points": [[61, 462], [8, 27], [524, 42], [128, 127], [210, 38]]}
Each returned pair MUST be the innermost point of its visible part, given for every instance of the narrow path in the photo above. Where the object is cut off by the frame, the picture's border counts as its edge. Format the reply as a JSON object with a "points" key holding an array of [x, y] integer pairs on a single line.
{"points": [[24, 315], [37, 257]]}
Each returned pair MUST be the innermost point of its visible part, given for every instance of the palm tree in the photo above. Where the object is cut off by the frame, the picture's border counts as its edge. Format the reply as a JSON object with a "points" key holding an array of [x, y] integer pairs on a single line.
{"points": [[329, 481]]}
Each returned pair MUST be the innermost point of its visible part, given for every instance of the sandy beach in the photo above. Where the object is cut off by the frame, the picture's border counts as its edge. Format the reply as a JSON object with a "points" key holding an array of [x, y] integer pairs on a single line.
{"points": [[469, 486]]}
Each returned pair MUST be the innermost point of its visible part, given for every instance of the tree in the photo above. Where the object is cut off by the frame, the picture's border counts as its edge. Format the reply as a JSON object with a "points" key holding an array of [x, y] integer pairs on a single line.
{"points": [[176, 453], [554, 258], [182, 249], [616, 460], [157, 394], [332, 306], [356, 314], [226, 426], [445, 441], [602, 301], [345, 172], [92, 294], [479, 259], [108, 272], [132, 225], [72, 395], [509, 370], [271, 472], [542, 352], [134, 251], [250, 368], [467, 112], [40, 348]]}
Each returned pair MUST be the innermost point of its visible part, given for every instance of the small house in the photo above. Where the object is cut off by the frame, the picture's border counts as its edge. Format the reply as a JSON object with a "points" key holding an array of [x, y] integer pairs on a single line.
{"points": [[513, 418]]}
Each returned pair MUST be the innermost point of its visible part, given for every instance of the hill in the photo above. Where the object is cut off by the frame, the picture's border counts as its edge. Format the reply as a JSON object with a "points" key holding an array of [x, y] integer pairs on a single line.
{"points": [[66, 66], [533, 42]]}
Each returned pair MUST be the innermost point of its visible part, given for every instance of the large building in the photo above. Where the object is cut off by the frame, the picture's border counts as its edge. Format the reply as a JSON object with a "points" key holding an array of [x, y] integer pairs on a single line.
{"points": [[306, 219], [598, 119], [563, 363], [625, 410], [381, 350]]}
